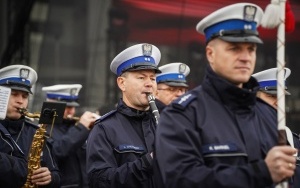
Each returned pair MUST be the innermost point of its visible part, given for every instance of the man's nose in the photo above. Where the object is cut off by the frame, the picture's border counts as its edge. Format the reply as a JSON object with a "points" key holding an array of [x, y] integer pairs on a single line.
{"points": [[149, 82], [20, 99], [245, 55]]}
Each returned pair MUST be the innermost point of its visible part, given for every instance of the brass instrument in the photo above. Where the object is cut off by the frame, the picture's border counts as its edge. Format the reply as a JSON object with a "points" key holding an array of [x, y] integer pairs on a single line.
{"points": [[73, 118], [34, 158], [37, 115], [24, 112], [96, 116]]}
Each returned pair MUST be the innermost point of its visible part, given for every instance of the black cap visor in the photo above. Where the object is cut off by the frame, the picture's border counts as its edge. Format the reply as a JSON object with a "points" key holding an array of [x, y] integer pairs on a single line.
{"points": [[72, 104], [21, 89], [142, 66], [18, 87], [69, 103], [175, 84], [274, 92], [251, 39], [238, 36]]}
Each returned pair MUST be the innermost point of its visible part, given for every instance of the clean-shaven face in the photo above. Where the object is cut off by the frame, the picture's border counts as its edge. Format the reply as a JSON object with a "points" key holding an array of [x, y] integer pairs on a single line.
{"points": [[233, 61], [166, 94], [135, 85], [18, 99]]}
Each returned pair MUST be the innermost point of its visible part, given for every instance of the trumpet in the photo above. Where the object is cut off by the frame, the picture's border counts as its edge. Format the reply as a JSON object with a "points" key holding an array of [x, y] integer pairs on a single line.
{"points": [[73, 118], [96, 116]]}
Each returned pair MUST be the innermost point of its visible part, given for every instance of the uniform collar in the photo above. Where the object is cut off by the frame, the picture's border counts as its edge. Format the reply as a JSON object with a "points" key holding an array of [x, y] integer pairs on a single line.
{"points": [[13, 126], [128, 111], [229, 94]]}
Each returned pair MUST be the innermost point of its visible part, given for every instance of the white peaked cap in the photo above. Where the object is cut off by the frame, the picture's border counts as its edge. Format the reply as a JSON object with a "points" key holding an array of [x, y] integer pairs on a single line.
{"points": [[64, 92], [18, 77], [137, 57], [234, 23], [267, 80], [173, 74]]}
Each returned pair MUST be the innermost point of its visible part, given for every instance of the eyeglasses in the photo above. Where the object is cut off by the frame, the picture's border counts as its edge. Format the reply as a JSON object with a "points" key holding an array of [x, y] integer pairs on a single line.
{"points": [[174, 89]]}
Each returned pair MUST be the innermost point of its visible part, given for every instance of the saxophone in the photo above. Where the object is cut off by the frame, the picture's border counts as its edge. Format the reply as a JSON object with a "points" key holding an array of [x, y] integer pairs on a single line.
{"points": [[34, 158]]}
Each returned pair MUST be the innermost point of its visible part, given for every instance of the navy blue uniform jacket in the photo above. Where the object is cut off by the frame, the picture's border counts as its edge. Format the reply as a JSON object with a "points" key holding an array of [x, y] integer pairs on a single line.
{"points": [[212, 137], [160, 105], [118, 149], [69, 148], [270, 115], [22, 131], [13, 163]]}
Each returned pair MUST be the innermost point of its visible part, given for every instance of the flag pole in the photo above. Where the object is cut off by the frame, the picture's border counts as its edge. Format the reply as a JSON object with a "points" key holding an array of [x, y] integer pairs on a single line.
{"points": [[277, 7]]}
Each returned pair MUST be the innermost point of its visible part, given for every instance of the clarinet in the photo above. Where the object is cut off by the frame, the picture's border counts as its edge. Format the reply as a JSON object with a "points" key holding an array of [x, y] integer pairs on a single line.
{"points": [[153, 106]]}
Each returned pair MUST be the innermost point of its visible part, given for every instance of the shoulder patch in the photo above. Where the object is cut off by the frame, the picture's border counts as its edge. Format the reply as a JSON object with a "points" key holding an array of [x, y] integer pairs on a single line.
{"points": [[183, 101], [105, 116]]}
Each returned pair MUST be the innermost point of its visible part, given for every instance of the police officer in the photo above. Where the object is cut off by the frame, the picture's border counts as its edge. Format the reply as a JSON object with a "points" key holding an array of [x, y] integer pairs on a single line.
{"points": [[20, 79], [211, 137], [171, 83], [13, 163], [267, 107], [120, 146], [68, 140], [267, 81]]}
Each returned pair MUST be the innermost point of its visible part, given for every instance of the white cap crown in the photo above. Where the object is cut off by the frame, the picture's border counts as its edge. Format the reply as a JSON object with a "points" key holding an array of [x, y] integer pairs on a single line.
{"points": [[267, 79], [18, 77], [173, 74], [137, 57], [234, 23]]}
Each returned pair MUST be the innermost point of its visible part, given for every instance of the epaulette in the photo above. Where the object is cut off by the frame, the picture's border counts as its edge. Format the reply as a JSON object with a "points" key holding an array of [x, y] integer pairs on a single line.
{"points": [[183, 101], [105, 116], [29, 122]]}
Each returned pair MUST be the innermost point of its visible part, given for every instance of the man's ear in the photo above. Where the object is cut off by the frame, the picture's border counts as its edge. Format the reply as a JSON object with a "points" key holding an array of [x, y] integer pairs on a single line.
{"points": [[121, 81], [210, 54]]}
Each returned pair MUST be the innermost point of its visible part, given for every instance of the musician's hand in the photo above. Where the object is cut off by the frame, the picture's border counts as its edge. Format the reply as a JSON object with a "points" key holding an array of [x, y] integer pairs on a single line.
{"points": [[88, 119], [41, 176], [281, 162]]}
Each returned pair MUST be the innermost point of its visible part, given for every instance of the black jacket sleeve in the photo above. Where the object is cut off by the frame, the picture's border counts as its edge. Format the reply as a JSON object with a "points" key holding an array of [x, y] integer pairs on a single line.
{"points": [[69, 143], [13, 163], [13, 171]]}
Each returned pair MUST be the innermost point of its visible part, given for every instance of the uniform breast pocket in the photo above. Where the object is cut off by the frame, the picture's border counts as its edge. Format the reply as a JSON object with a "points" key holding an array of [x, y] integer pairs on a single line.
{"points": [[128, 152], [227, 153]]}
